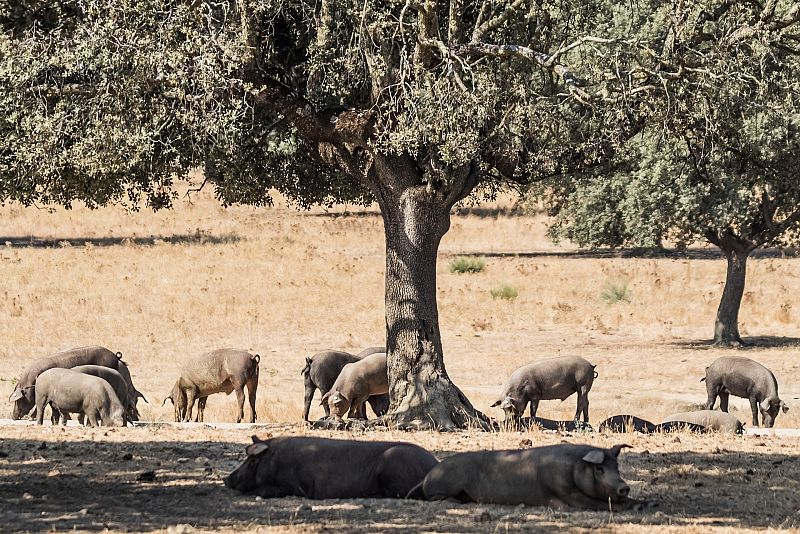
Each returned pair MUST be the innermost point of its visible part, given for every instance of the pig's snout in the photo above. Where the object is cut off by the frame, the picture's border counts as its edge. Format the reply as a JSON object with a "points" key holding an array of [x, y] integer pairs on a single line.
{"points": [[623, 490]]}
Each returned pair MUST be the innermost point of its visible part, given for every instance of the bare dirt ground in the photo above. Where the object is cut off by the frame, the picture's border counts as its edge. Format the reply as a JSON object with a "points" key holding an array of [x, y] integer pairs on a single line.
{"points": [[168, 286]]}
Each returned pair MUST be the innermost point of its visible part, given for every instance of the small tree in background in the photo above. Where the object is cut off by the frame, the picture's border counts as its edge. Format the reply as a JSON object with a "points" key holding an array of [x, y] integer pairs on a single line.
{"points": [[738, 189]]}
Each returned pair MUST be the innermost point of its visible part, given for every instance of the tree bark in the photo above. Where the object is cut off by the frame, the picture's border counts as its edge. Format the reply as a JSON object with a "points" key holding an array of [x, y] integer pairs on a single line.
{"points": [[726, 326], [416, 216]]}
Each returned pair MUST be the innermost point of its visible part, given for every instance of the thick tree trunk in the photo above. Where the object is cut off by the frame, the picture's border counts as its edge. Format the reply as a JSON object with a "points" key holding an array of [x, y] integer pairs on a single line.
{"points": [[726, 327], [422, 395]]}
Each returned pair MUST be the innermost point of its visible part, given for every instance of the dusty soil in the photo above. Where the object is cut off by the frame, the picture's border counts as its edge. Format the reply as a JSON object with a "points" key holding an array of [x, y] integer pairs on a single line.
{"points": [[156, 479], [165, 287]]}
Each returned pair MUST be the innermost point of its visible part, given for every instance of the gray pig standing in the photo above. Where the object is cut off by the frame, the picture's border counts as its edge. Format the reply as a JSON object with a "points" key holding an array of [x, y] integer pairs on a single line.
{"points": [[355, 384], [24, 395], [553, 378], [67, 391], [321, 468], [557, 476], [219, 371], [746, 378]]}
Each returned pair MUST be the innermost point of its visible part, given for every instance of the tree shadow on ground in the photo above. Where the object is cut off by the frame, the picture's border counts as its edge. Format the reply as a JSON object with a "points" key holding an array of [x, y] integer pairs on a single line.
{"points": [[198, 238], [751, 343], [150, 485]]}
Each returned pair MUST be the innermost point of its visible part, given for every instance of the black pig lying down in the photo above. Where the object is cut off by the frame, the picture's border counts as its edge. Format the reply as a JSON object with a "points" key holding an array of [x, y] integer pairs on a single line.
{"points": [[557, 476], [631, 423], [321, 468]]}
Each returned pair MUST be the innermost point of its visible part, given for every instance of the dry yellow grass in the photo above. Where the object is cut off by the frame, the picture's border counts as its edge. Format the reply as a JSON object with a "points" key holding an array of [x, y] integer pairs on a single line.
{"points": [[286, 284]]}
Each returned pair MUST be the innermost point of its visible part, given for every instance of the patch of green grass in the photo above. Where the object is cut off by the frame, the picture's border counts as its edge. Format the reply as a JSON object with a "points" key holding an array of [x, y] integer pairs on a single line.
{"points": [[504, 291], [462, 265], [616, 292]]}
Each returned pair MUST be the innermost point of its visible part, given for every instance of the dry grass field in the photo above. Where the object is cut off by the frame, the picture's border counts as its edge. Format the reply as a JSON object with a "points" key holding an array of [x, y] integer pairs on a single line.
{"points": [[285, 284]]}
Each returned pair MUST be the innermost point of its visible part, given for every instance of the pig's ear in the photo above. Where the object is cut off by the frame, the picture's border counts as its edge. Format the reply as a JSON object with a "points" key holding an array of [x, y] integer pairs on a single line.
{"points": [[16, 395], [324, 398], [616, 448], [594, 457], [784, 407], [765, 405], [256, 439], [336, 398], [168, 398], [256, 448], [496, 403]]}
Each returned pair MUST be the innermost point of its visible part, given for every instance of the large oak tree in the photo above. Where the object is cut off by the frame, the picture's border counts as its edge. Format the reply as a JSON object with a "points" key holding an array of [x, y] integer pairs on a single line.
{"points": [[415, 104]]}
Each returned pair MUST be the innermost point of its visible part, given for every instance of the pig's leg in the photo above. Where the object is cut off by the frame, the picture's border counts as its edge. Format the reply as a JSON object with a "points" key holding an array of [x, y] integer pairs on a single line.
{"points": [[723, 401], [754, 408], [534, 407], [190, 396], [240, 400], [41, 402], [91, 416], [201, 409], [309, 396], [579, 409], [712, 398], [55, 415], [325, 405], [252, 387]]}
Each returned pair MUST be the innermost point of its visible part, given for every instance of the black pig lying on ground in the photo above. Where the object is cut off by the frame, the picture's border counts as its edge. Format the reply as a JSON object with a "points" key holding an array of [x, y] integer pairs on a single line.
{"points": [[557, 476], [321, 468], [631, 423]]}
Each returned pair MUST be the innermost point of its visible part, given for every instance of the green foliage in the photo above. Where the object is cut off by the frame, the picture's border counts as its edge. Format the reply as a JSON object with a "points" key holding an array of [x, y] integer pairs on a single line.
{"points": [[504, 291], [615, 292], [462, 265]]}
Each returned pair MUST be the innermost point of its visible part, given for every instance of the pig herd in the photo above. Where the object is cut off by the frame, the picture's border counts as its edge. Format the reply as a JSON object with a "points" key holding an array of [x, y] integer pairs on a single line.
{"points": [[94, 383]]}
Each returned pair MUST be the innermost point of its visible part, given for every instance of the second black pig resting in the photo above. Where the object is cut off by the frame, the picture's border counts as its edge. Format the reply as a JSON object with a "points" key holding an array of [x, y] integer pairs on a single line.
{"points": [[557, 476]]}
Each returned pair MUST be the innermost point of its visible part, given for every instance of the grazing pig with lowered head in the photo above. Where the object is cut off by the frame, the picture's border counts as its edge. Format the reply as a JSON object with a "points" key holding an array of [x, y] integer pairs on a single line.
{"points": [[631, 423], [746, 378], [321, 468], [117, 382], [356, 383], [553, 378], [24, 395], [557, 476], [219, 371], [710, 419], [67, 391], [322, 370]]}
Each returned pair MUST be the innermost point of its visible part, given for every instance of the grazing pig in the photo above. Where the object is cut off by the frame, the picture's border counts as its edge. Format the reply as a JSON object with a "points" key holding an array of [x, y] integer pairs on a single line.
{"points": [[631, 423], [557, 476], [67, 391], [554, 378], [219, 371], [117, 382], [321, 468], [322, 370], [24, 395], [743, 377], [356, 383], [711, 419]]}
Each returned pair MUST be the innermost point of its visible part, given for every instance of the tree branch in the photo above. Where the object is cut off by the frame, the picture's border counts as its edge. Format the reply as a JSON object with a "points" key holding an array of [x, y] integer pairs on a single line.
{"points": [[571, 81], [493, 24]]}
